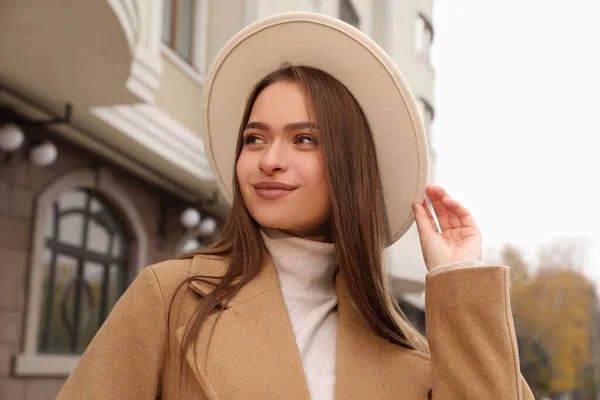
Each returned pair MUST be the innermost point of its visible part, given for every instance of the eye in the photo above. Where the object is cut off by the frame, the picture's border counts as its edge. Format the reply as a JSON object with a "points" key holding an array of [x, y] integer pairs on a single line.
{"points": [[252, 139], [306, 139]]}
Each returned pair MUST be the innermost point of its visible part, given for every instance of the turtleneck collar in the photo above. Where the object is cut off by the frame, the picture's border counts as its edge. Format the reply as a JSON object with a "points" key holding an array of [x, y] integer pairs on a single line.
{"points": [[305, 267]]}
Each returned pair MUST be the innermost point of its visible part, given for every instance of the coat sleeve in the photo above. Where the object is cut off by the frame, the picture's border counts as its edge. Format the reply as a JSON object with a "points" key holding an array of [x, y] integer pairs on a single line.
{"points": [[471, 335], [127, 354]]}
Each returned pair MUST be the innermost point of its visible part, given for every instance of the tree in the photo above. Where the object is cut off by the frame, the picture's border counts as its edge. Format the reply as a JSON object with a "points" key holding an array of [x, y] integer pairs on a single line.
{"points": [[553, 313]]}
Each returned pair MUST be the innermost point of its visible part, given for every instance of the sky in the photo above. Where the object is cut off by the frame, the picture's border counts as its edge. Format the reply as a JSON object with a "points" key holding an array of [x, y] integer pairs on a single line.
{"points": [[517, 119]]}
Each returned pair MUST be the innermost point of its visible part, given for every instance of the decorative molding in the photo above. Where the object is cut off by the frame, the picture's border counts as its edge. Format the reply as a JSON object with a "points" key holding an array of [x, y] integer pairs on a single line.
{"points": [[30, 362], [46, 365], [201, 13], [103, 147], [142, 34], [160, 133], [126, 14], [146, 71]]}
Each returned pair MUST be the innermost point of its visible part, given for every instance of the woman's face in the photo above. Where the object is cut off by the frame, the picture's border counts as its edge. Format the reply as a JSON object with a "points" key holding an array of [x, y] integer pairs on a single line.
{"points": [[280, 169]]}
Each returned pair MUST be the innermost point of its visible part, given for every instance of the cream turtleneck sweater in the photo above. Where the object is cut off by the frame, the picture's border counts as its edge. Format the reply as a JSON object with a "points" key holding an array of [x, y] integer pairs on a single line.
{"points": [[306, 274]]}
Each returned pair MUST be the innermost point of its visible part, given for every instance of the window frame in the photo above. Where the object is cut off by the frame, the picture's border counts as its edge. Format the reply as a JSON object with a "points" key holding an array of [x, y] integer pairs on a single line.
{"points": [[82, 254], [196, 67], [424, 49], [172, 42]]}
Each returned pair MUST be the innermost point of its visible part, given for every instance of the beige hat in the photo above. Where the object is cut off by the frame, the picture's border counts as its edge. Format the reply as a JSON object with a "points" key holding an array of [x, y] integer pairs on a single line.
{"points": [[349, 55]]}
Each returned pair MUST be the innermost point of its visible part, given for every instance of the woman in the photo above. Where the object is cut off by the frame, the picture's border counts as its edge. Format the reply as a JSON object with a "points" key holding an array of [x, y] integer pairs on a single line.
{"points": [[292, 301]]}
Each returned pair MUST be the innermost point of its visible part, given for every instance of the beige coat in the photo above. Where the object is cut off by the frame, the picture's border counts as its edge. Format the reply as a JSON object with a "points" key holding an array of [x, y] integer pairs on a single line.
{"points": [[249, 350]]}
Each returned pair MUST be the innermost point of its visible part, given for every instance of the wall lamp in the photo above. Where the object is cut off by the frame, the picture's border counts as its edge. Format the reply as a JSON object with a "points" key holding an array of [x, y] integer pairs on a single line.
{"points": [[12, 138]]}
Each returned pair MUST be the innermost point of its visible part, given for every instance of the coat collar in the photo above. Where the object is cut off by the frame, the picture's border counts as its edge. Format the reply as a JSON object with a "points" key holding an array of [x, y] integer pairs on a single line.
{"points": [[216, 267], [249, 349]]}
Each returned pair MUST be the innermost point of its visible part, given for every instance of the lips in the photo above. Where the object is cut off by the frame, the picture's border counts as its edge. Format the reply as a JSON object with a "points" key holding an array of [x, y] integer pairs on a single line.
{"points": [[273, 190]]}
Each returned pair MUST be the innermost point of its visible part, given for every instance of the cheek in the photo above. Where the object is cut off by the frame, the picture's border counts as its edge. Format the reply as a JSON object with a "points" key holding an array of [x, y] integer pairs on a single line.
{"points": [[242, 170], [314, 173]]}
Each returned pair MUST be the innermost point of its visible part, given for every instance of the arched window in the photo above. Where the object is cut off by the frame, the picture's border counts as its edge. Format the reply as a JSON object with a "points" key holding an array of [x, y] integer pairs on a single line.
{"points": [[89, 242], [86, 257]]}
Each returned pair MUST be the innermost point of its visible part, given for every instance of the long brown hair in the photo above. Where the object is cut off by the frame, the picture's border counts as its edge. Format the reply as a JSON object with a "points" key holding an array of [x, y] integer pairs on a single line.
{"points": [[357, 224]]}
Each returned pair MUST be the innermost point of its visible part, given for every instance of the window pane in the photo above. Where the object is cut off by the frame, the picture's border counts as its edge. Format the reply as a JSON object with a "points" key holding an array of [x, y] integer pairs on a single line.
{"points": [[117, 246], [61, 305], [95, 206], [72, 200], [116, 286], [91, 301], [71, 229], [43, 329], [166, 20], [98, 237], [183, 35], [50, 221]]}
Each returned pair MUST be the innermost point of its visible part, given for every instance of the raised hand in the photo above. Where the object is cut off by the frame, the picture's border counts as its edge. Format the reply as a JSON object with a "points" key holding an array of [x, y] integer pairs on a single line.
{"points": [[460, 239]]}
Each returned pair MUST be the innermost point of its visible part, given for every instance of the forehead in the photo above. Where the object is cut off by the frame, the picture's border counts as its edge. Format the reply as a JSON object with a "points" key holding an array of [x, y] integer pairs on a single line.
{"points": [[280, 101]]}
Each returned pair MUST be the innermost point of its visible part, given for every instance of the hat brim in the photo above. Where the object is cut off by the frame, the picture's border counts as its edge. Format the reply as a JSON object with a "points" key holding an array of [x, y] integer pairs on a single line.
{"points": [[349, 55]]}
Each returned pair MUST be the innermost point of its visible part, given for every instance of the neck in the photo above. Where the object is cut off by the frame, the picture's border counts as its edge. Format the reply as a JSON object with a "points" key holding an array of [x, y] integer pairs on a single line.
{"points": [[320, 234], [304, 266]]}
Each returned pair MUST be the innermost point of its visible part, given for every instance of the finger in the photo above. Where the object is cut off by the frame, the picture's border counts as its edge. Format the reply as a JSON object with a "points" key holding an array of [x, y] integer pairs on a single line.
{"points": [[459, 213], [429, 213], [423, 223], [436, 194], [455, 221]]}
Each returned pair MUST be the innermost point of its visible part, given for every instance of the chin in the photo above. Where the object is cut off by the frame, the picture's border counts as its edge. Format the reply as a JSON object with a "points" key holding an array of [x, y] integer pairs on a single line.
{"points": [[289, 222], [272, 220]]}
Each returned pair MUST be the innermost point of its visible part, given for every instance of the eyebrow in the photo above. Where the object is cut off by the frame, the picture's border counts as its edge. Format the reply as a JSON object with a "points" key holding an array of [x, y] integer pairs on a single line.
{"points": [[289, 127]]}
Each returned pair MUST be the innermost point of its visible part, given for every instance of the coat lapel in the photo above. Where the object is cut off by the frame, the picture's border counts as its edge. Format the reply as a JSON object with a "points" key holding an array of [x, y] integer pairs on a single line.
{"points": [[370, 367], [247, 351]]}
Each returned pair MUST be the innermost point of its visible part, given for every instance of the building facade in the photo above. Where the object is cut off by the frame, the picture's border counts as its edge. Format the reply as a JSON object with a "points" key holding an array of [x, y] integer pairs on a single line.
{"points": [[102, 168]]}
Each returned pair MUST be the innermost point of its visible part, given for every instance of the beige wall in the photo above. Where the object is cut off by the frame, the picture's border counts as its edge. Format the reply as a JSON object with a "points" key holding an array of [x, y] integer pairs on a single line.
{"points": [[226, 18], [180, 96], [269, 7]]}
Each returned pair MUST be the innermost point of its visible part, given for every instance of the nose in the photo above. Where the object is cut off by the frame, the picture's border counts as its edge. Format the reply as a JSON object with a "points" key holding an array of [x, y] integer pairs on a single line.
{"points": [[273, 159]]}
